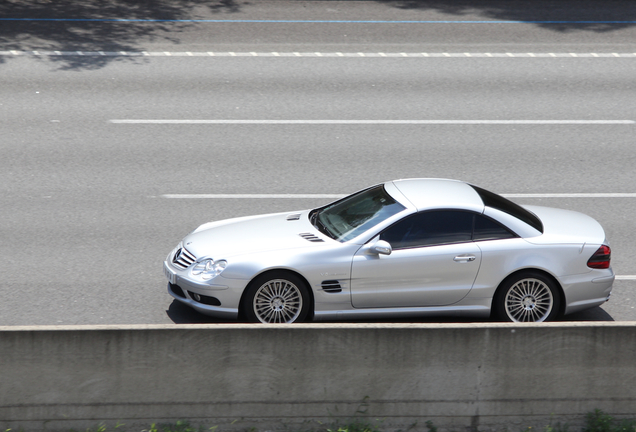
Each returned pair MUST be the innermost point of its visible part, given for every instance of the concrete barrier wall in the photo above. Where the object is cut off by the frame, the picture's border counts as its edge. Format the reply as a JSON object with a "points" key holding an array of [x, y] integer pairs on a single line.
{"points": [[480, 377]]}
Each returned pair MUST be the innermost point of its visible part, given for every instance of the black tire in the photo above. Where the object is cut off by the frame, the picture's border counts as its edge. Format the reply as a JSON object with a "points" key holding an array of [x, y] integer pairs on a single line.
{"points": [[276, 297], [527, 297]]}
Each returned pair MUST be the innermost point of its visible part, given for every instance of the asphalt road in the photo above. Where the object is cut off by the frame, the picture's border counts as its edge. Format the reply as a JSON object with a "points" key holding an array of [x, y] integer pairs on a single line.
{"points": [[330, 97]]}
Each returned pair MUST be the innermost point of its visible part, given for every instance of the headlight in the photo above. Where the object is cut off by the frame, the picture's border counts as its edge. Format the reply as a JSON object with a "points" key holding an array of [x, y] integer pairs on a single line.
{"points": [[209, 268]]}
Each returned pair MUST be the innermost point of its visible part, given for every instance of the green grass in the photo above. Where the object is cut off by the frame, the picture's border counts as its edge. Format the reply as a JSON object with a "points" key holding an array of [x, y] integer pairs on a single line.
{"points": [[354, 427], [180, 426], [595, 421]]}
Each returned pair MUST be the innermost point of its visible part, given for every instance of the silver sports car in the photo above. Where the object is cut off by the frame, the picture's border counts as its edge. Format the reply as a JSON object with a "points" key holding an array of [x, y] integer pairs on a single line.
{"points": [[403, 248]]}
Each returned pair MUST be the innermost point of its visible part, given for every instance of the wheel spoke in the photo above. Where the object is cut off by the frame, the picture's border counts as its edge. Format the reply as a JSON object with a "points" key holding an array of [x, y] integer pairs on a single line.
{"points": [[265, 313], [533, 315], [266, 293], [286, 314], [535, 289]]}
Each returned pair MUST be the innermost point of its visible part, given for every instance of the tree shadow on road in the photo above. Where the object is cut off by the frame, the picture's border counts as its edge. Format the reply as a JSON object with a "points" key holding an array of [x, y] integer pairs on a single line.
{"points": [[78, 25], [558, 15], [48, 25]]}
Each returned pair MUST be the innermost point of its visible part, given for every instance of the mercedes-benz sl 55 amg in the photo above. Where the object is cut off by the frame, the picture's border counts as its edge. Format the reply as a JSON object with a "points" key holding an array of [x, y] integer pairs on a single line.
{"points": [[403, 248]]}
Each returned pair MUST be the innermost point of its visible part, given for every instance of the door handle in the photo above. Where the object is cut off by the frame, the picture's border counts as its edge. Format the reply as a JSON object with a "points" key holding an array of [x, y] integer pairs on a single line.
{"points": [[464, 258]]}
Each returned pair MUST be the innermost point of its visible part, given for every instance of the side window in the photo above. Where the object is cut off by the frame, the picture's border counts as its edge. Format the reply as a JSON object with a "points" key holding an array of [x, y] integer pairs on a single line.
{"points": [[430, 228], [488, 229]]}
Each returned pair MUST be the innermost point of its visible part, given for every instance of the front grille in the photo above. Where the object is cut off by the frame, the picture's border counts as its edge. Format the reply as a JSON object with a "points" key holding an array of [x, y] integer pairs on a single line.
{"points": [[331, 286], [183, 258]]}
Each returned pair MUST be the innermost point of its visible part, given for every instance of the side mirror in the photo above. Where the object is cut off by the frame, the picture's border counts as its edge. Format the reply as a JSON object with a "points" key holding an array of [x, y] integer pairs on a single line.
{"points": [[381, 247]]}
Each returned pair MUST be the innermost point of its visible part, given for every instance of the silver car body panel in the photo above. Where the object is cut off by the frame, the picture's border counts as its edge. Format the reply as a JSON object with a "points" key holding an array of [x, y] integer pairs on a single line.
{"points": [[347, 281], [438, 193], [566, 227], [429, 276]]}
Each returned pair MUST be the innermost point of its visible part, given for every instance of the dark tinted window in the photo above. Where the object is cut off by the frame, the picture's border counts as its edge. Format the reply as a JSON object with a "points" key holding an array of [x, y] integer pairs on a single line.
{"points": [[488, 229], [500, 203], [430, 228]]}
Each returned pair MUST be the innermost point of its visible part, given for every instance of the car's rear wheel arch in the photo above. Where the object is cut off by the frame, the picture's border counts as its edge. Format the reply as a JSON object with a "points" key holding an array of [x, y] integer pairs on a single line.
{"points": [[276, 273], [529, 273]]}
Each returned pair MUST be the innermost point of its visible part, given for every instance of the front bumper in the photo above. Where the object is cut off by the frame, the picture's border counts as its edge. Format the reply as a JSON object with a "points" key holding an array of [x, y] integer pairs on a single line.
{"points": [[218, 300]]}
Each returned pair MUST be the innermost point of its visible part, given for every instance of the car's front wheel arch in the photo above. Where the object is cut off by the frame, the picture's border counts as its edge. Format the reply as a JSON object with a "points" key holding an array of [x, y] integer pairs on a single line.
{"points": [[246, 303], [498, 308]]}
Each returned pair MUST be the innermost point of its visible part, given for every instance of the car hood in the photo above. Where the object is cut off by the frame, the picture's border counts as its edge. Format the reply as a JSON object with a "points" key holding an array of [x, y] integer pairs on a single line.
{"points": [[271, 232], [566, 227]]}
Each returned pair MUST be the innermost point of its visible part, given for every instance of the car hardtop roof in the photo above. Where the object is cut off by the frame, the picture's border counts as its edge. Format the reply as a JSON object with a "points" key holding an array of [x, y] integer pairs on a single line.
{"points": [[430, 193]]}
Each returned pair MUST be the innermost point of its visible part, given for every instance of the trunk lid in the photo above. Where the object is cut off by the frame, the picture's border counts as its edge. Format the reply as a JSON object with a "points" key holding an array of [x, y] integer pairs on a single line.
{"points": [[566, 227]]}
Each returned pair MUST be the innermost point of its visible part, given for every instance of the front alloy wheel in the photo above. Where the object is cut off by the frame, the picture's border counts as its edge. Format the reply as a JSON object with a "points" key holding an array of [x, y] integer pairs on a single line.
{"points": [[531, 297], [277, 300]]}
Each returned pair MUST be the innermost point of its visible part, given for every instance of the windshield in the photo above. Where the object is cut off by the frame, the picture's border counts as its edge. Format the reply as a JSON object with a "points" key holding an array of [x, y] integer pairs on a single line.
{"points": [[355, 214]]}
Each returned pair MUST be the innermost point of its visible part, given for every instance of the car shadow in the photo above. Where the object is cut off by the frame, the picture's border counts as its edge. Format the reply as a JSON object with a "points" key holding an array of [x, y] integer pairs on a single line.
{"points": [[594, 314], [182, 314]]}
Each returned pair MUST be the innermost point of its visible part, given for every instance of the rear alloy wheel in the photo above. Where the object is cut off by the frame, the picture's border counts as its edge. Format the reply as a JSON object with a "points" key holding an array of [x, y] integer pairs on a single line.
{"points": [[529, 297], [277, 298]]}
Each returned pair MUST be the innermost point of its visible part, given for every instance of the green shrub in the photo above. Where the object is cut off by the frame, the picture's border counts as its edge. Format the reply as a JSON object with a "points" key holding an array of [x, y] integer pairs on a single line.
{"points": [[354, 426], [598, 421]]}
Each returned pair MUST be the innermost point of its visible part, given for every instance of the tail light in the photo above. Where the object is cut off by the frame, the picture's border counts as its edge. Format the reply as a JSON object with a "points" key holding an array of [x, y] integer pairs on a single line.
{"points": [[601, 258]]}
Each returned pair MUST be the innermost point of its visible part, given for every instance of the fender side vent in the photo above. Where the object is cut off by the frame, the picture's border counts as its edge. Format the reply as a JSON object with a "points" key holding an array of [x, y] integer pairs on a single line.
{"points": [[331, 286], [311, 237], [293, 217]]}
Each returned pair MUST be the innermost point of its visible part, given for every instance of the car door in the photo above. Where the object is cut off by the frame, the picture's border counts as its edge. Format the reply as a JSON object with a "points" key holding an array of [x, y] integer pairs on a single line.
{"points": [[433, 262]]}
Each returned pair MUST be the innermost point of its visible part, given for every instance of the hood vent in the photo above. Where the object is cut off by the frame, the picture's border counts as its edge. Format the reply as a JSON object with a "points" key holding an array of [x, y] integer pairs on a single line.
{"points": [[293, 217], [331, 286], [311, 237]]}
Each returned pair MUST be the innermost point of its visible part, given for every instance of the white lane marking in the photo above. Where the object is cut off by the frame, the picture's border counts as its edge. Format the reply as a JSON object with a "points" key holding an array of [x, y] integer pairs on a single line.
{"points": [[337, 196], [312, 54], [376, 122], [319, 21], [573, 195], [251, 196], [626, 277]]}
